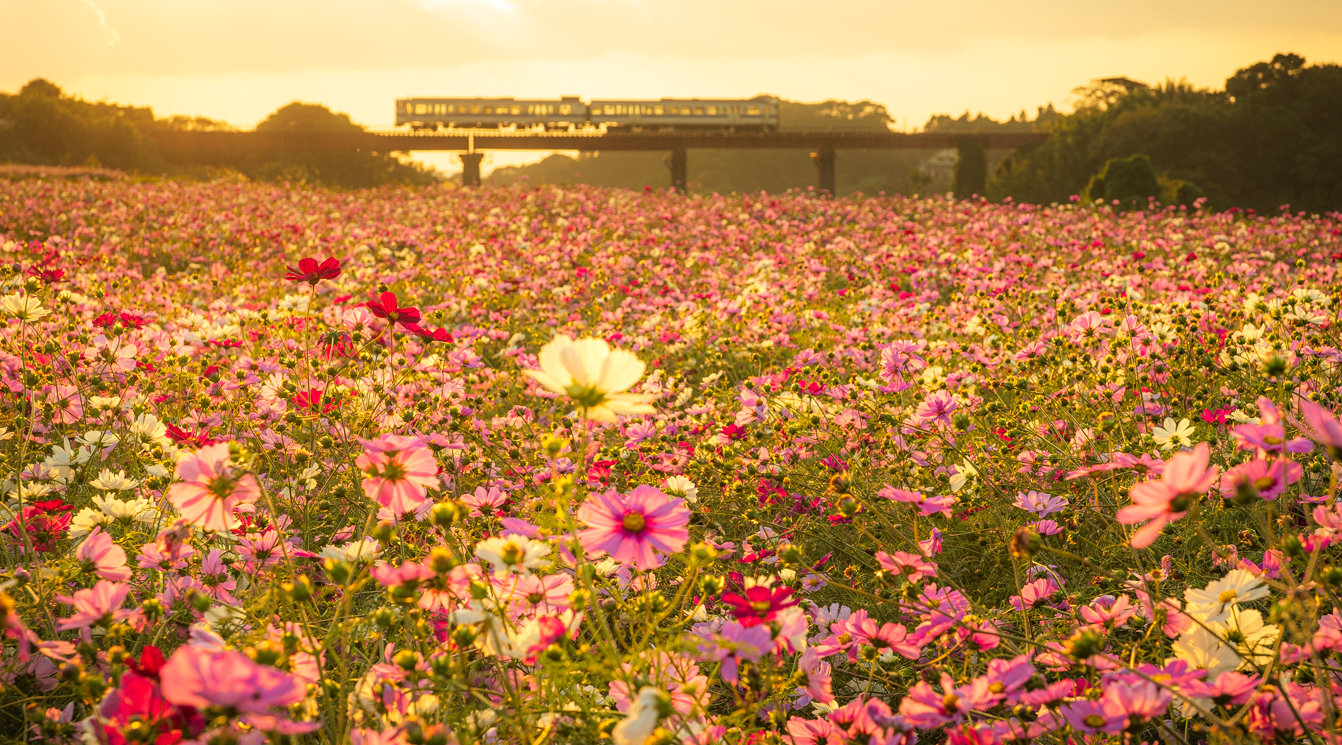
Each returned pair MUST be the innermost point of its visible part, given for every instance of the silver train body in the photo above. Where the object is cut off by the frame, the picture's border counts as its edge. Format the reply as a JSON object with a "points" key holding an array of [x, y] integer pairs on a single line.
{"points": [[667, 114]]}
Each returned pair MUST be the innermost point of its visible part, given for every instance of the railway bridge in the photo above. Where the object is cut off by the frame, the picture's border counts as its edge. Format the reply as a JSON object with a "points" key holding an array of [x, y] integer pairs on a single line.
{"points": [[823, 144]]}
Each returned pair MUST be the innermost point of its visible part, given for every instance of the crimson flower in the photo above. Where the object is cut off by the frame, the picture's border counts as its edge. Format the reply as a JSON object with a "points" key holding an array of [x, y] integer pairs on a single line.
{"points": [[760, 604], [312, 400], [384, 306], [127, 320], [311, 272], [182, 436], [441, 335]]}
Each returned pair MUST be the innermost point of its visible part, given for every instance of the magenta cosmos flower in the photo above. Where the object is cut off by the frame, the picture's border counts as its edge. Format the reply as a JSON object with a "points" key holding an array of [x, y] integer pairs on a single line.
{"points": [[629, 528], [1186, 475], [210, 489], [101, 556], [399, 470]]}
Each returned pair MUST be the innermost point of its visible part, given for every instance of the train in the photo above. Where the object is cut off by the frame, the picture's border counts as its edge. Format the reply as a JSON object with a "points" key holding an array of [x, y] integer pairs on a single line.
{"points": [[758, 114]]}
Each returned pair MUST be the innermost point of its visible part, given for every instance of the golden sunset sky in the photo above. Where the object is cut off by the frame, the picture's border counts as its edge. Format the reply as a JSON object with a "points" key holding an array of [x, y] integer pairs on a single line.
{"points": [[238, 60]]}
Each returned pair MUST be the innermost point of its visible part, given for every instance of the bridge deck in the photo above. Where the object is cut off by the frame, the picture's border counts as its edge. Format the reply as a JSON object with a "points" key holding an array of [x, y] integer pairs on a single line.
{"points": [[183, 143]]}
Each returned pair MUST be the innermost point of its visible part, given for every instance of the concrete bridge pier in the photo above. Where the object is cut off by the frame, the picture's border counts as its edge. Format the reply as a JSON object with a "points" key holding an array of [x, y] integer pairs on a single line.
{"points": [[470, 168], [824, 165], [678, 162]]}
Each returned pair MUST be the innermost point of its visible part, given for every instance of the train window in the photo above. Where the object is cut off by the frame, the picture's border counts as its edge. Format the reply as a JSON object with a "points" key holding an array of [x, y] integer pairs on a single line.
{"points": [[752, 111], [475, 108], [712, 111], [565, 109], [516, 110], [421, 108], [698, 111], [658, 110]]}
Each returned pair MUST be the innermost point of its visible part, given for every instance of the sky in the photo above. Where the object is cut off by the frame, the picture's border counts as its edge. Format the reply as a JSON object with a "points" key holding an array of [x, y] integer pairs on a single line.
{"points": [[239, 60]]}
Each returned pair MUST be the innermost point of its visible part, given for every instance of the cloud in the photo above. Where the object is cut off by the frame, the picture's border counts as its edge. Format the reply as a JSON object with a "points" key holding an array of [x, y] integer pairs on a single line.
{"points": [[102, 19]]}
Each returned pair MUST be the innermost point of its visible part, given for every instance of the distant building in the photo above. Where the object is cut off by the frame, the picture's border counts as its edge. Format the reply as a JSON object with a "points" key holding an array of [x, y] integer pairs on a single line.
{"points": [[940, 168]]}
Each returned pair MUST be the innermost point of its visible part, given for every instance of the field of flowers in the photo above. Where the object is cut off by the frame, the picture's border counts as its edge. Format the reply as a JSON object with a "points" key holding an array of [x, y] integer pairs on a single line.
{"points": [[544, 465]]}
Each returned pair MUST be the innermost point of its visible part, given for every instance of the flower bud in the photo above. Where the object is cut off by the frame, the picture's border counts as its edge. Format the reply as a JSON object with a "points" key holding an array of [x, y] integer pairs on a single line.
{"points": [[1025, 543], [463, 636], [200, 601], [711, 585], [406, 659], [1293, 547], [445, 514], [383, 531], [1083, 645], [300, 589], [1331, 576], [338, 571], [703, 552], [441, 560]]}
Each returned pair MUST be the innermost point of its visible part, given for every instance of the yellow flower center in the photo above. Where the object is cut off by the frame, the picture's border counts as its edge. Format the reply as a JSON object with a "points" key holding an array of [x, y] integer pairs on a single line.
{"points": [[1093, 720], [634, 522], [1227, 596], [511, 553]]}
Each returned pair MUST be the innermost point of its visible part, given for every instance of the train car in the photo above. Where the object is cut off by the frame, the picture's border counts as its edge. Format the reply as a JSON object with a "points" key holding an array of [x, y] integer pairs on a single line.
{"points": [[432, 113], [759, 114]]}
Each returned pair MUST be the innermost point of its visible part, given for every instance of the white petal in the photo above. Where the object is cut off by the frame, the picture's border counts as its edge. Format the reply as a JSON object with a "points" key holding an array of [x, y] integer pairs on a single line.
{"points": [[620, 371], [583, 359], [545, 380], [553, 365]]}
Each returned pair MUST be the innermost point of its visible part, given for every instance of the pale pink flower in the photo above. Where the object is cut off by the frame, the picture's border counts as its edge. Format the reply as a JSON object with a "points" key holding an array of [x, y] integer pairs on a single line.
{"points": [[210, 489], [96, 605], [1320, 425], [103, 557], [1161, 502], [111, 354], [67, 404], [399, 470], [630, 528], [199, 677]]}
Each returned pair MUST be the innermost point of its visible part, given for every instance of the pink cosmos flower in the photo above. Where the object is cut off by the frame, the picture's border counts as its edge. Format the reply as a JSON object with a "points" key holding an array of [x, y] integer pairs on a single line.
{"points": [[1093, 718], [199, 677], [1267, 479], [103, 557], [735, 644], [630, 528], [1161, 502], [1040, 503], [399, 470], [210, 489], [485, 501], [111, 354], [96, 605], [937, 407], [67, 404], [911, 565], [1320, 425]]}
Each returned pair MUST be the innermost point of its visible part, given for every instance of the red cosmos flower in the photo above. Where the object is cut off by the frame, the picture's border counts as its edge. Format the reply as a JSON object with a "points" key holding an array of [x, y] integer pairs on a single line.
{"points": [[127, 320], [441, 335], [43, 525], [49, 276], [311, 400], [311, 272], [760, 604], [734, 432], [178, 435], [384, 306]]}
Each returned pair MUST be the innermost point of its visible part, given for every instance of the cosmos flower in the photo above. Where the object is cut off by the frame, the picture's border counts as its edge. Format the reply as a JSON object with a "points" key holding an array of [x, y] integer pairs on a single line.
{"points": [[595, 377], [210, 488], [1173, 435], [384, 306], [1186, 475], [310, 271], [632, 527], [398, 470], [103, 557]]}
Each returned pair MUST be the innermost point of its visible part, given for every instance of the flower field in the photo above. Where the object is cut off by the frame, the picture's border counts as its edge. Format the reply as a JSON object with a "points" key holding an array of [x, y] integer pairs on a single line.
{"points": [[543, 465]]}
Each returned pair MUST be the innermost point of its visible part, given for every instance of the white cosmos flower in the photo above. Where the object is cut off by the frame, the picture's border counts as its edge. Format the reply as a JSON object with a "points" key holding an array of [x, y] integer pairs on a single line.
{"points": [[679, 486], [1201, 649], [1215, 602], [86, 520], [1173, 435], [513, 554], [595, 376], [109, 480], [139, 509], [353, 551], [641, 720], [24, 307]]}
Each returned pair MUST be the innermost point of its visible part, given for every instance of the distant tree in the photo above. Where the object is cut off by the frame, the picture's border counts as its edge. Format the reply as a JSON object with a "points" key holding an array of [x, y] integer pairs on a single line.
{"points": [[971, 169], [44, 126], [1130, 181], [307, 117], [1271, 137]]}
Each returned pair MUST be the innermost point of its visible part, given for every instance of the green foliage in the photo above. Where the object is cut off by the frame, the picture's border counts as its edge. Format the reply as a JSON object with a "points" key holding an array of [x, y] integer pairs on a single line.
{"points": [[971, 169], [1131, 181], [40, 125], [1270, 138]]}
